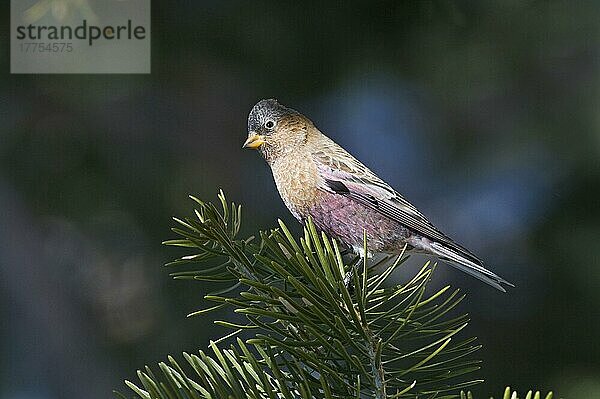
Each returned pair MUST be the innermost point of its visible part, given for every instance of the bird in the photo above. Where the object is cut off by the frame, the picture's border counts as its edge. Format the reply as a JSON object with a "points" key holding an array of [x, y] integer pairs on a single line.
{"points": [[319, 180]]}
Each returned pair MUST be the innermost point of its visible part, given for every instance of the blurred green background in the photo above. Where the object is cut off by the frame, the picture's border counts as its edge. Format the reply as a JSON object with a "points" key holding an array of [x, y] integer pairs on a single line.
{"points": [[485, 114]]}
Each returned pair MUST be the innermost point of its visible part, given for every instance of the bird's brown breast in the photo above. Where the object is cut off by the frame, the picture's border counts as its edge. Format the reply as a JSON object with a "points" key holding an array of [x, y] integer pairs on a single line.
{"points": [[297, 180]]}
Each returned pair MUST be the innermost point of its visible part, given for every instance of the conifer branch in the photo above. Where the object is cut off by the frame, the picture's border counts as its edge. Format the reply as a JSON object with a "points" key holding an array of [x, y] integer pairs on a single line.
{"points": [[315, 335]]}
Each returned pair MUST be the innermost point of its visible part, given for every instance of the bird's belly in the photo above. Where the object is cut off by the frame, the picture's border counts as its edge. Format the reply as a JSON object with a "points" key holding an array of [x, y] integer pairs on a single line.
{"points": [[347, 221]]}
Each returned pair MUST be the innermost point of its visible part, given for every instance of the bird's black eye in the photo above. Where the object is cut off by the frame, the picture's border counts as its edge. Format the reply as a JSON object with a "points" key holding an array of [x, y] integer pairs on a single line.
{"points": [[269, 124]]}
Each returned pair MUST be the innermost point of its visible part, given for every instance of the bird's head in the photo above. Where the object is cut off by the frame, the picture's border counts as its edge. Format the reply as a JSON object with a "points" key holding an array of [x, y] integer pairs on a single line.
{"points": [[275, 130]]}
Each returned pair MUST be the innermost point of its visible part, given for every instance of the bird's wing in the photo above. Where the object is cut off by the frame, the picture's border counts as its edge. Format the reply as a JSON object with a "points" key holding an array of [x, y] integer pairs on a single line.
{"points": [[345, 175]]}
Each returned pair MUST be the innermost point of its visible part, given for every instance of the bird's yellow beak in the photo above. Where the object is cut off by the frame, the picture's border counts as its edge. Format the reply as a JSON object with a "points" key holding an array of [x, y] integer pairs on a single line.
{"points": [[254, 141]]}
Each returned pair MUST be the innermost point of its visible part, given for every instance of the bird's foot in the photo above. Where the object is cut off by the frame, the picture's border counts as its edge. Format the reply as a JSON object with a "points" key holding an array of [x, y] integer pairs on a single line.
{"points": [[349, 280]]}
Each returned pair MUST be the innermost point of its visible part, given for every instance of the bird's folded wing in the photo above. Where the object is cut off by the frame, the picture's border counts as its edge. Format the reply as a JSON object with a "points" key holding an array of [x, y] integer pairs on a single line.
{"points": [[354, 180]]}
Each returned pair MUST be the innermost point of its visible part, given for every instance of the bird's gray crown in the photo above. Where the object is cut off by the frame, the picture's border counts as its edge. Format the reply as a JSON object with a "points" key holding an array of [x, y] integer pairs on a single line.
{"points": [[267, 109]]}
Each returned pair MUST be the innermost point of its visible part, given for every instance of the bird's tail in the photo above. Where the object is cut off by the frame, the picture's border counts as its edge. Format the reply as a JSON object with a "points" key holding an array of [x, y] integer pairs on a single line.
{"points": [[468, 263]]}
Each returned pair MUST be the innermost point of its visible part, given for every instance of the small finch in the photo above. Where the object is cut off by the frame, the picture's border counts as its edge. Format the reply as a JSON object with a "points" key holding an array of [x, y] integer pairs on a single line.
{"points": [[318, 179]]}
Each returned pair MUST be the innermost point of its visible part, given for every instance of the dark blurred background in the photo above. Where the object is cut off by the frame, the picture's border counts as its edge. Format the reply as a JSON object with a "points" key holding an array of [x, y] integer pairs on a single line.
{"points": [[485, 114]]}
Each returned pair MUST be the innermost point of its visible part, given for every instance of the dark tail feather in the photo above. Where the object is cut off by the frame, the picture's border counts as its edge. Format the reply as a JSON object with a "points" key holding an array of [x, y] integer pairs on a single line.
{"points": [[468, 266]]}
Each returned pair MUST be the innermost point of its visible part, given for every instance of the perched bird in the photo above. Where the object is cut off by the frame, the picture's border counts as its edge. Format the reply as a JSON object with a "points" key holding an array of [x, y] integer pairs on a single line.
{"points": [[318, 179]]}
